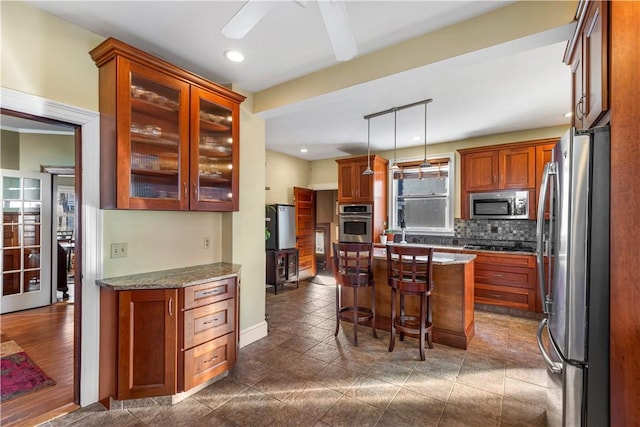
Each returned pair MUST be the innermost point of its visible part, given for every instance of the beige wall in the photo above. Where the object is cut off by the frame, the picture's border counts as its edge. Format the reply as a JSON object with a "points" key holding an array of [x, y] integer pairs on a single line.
{"points": [[52, 150], [45, 56], [282, 174], [160, 240], [9, 150], [323, 174], [247, 225], [323, 171]]}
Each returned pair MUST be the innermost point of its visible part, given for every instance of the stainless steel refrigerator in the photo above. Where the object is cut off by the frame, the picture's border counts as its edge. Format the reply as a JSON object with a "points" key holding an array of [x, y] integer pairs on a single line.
{"points": [[575, 287], [281, 223]]}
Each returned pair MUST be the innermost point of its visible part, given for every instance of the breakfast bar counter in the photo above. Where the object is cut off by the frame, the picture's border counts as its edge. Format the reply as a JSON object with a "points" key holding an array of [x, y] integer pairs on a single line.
{"points": [[452, 297]]}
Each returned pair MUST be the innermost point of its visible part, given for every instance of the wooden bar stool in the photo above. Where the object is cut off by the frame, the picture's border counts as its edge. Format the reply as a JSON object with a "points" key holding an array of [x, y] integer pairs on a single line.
{"points": [[352, 268], [410, 273]]}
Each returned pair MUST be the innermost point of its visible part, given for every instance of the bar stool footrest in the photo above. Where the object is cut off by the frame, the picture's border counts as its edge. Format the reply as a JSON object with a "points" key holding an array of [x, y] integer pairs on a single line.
{"points": [[410, 324], [363, 313]]}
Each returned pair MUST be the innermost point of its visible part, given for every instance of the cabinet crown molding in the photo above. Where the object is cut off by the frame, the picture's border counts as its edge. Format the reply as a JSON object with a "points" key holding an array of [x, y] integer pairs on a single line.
{"points": [[113, 48]]}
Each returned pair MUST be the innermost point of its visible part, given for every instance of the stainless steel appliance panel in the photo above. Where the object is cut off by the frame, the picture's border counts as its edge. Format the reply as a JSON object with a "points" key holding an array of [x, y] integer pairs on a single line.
{"points": [[577, 299], [356, 224], [506, 204], [281, 223]]}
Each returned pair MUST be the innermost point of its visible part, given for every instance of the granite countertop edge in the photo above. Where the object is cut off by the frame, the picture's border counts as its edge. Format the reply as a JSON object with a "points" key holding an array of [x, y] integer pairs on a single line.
{"points": [[439, 258], [173, 278]]}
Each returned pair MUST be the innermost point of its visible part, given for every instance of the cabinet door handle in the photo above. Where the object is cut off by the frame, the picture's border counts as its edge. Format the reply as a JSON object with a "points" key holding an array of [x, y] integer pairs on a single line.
{"points": [[495, 295], [170, 304], [208, 322], [186, 190], [497, 275], [214, 291], [195, 190], [580, 108], [211, 360]]}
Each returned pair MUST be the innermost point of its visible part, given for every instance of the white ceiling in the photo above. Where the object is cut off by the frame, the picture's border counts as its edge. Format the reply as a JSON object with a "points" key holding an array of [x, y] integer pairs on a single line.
{"points": [[518, 85]]}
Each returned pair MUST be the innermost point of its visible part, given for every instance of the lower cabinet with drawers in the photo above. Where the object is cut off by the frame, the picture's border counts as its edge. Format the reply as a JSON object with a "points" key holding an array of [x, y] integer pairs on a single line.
{"points": [[209, 326], [507, 280], [159, 342]]}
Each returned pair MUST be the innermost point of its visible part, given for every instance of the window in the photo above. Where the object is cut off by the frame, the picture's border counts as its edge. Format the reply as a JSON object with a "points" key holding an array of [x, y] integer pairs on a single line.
{"points": [[423, 200]]}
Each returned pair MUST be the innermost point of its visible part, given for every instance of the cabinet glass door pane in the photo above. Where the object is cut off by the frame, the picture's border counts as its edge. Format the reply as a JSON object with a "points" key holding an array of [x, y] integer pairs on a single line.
{"points": [[214, 153], [155, 139]]}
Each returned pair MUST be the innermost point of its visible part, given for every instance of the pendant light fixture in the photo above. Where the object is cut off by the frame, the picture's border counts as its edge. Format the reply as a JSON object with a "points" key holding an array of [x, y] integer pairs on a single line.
{"points": [[368, 170], [425, 165], [394, 166]]}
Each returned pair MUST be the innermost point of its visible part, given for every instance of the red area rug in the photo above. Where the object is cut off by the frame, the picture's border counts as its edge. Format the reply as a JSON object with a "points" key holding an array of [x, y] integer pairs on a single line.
{"points": [[19, 375]]}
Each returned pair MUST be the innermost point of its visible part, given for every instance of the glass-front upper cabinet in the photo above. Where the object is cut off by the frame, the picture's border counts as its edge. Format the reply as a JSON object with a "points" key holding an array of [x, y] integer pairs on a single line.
{"points": [[214, 159], [153, 167], [168, 138]]}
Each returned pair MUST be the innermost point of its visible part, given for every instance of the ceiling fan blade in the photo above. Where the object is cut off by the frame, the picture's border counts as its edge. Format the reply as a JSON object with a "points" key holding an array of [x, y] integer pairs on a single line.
{"points": [[246, 18], [336, 20]]}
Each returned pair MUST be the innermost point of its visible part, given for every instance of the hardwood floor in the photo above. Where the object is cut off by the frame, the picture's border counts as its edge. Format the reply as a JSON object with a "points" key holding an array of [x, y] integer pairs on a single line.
{"points": [[46, 334]]}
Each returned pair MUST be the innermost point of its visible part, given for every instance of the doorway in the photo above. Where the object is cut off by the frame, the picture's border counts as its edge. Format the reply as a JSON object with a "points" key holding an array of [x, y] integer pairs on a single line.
{"points": [[48, 334]]}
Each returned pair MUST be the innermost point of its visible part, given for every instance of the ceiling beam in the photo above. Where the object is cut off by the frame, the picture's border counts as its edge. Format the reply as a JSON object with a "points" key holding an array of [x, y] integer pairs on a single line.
{"points": [[512, 22]]}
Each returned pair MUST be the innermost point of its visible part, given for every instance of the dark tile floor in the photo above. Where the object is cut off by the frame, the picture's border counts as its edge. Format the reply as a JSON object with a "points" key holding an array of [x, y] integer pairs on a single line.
{"points": [[301, 375]]}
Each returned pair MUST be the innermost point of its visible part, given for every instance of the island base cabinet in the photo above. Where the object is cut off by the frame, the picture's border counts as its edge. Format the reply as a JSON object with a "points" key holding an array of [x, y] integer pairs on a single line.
{"points": [[208, 360], [452, 302]]}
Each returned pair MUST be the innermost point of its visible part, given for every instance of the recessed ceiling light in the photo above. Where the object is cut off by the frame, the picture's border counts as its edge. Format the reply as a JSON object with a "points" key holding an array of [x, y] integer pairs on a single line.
{"points": [[234, 55], [416, 138], [303, 150], [569, 114]]}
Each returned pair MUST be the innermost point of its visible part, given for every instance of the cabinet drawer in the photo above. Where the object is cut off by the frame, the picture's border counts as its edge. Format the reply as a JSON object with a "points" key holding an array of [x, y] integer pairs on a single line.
{"points": [[207, 360], [205, 323], [505, 259], [207, 293], [505, 275], [506, 296]]}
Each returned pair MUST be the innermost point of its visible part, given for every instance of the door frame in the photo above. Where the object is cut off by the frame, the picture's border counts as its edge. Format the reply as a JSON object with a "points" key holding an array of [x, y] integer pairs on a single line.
{"points": [[89, 226]]}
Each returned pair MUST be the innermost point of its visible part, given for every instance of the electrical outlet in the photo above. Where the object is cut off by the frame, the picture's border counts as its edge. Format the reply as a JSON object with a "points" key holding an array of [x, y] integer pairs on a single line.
{"points": [[118, 250], [207, 242]]}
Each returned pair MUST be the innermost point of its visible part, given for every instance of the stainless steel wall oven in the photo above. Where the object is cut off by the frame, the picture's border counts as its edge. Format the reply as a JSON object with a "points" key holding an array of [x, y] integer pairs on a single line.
{"points": [[356, 223]]}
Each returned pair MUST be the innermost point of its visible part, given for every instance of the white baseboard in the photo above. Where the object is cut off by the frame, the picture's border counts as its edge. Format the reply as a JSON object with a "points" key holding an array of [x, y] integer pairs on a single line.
{"points": [[253, 333]]}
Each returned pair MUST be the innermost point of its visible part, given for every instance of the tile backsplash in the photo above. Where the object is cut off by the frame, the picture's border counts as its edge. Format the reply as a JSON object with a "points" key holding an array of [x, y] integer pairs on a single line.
{"points": [[503, 232]]}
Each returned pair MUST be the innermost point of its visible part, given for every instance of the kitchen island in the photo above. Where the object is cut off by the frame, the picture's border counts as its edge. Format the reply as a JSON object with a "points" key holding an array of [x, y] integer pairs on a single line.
{"points": [[452, 297]]}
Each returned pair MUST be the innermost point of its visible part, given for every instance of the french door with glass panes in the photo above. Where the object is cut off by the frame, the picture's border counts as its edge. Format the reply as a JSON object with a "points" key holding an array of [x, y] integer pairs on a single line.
{"points": [[26, 240]]}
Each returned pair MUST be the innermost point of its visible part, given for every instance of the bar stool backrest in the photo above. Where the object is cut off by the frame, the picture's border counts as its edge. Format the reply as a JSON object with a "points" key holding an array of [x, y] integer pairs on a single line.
{"points": [[352, 264], [410, 268]]}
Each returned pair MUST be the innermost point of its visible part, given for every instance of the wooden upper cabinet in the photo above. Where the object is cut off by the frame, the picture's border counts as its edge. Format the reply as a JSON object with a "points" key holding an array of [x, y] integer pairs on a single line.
{"points": [[214, 155], [588, 55], [543, 156], [481, 170], [353, 186], [346, 182], [169, 138], [517, 168]]}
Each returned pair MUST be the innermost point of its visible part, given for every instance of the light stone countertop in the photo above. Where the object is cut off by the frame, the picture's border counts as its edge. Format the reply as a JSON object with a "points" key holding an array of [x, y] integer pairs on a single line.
{"points": [[439, 258], [174, 278]]}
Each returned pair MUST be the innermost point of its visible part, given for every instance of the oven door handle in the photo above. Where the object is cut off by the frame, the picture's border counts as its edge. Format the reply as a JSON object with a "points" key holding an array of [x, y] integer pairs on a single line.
{"points": [[357, 217]]}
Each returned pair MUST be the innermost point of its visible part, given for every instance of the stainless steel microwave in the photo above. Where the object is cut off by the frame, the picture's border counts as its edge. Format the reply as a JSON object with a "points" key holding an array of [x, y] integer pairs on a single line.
{"points": [[500, 205]]}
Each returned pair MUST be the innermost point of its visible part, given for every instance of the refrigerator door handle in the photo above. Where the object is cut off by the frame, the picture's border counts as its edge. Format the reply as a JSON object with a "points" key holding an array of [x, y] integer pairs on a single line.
{"points": [[549, 169], [555, 367]]}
